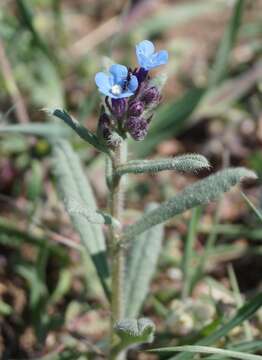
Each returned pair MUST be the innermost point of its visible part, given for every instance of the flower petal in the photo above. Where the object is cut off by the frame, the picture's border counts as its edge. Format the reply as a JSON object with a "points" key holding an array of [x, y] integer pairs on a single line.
{"points": [[105, 92], [119, 73], [102, 80], [144, 50], [145, 47], [161, 58], [144, 61], [126, 93], [133, 83]]}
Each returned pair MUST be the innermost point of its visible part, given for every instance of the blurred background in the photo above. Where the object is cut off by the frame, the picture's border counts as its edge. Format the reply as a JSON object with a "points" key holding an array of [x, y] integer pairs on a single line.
{"points": [[50, 50]]}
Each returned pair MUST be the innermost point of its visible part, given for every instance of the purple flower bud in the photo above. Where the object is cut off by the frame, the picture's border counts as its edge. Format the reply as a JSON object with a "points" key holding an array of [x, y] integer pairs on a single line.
{"points": [[118, 107], [137, 127], [141, 74], [150, 95], [104, 126], [136, 108]]}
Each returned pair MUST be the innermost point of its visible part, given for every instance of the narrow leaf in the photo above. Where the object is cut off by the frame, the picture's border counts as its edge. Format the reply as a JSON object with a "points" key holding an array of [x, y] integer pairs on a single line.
{"points": [[188, 252], [200, 193], [183, 163], [47, 130], [141, 266], [252, 206], [93, 216], [209, 350], [219, 99], [72, 182], [81, 131], [222, 59]]}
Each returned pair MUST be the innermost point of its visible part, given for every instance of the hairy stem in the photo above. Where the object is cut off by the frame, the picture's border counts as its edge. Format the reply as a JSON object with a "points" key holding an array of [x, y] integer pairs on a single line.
{"points": [[116, 205]]}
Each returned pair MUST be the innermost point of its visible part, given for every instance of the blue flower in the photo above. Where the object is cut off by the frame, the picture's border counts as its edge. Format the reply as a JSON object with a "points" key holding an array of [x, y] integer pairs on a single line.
{"points": [[147, 57], [118, 83]]}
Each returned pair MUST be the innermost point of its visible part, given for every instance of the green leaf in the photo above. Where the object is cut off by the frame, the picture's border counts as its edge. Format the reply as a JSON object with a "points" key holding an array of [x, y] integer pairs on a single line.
{"points": [[177, 15], [135, 331], [209, 350], [200, 193], [81, 131], [93, 216], [27, 18], [183, 163], [188, 252], [63, 286], [244, 313], [48, 130], [5, 309], [38, 289], [218, 100], [141, 266], [72, 183], [252, 206], [35, 181], [222, 59]]}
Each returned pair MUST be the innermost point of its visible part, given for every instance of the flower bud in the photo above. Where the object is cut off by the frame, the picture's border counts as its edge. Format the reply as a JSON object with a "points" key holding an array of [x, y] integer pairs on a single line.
{"points": [[118, 107], [141, 74], [104, 126], [150, 95], [137, 127], [136, 108]]}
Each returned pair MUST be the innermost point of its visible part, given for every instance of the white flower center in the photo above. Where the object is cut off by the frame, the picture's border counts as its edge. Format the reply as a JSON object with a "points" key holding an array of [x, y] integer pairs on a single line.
{"points": [[116, 90]]}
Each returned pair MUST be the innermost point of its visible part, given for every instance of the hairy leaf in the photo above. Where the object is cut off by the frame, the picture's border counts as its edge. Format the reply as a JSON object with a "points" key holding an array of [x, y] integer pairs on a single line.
{"points": [[94, 217], [81, 131], [141, 267], [72, 182], [200, 193], [183, 163], [133, 331]]}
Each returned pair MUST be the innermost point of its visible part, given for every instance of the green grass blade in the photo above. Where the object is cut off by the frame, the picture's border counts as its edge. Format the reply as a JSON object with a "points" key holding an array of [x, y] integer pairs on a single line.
{"points": [[239, 300], [198, 273], [222, 59], [27, 17], [252, 206], [188, 251], [47, 130], [210, 350], [178, 15]]}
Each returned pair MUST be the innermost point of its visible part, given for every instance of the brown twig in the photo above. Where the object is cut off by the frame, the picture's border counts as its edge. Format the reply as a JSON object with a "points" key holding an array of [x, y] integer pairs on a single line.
{"points": [[11, 86]]}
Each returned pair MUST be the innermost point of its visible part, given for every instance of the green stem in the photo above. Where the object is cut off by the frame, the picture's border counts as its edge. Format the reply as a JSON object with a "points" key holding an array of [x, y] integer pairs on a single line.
{"points": [[116, 206]]}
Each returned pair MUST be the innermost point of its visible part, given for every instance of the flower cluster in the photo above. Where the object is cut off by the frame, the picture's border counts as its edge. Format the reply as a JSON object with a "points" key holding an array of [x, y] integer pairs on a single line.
{"points": [[130, 96]]}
